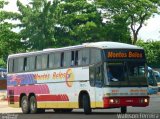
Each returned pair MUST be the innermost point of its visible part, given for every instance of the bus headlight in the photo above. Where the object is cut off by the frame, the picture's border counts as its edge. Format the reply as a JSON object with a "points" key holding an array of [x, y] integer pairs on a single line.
{"points": [[145, 100], [113, 101]]}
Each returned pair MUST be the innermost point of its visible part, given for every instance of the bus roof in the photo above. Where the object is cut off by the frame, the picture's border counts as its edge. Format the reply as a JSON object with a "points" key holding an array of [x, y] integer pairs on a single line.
{"points": [[101, 45]]}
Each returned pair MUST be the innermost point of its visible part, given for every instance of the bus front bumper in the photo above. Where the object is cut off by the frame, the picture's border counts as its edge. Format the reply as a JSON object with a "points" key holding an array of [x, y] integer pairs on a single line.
{"points": [[138, 101]]}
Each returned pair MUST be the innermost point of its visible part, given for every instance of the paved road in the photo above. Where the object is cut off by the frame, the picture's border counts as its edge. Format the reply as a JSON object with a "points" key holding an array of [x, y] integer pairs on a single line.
{"points": [[150, 112]]}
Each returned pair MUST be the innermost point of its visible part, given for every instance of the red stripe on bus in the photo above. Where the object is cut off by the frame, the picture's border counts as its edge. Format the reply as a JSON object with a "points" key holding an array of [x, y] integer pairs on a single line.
{"points": [[60, 97]]}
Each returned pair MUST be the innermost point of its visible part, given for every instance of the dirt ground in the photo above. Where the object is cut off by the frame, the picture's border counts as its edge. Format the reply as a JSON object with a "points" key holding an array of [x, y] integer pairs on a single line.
{"points": [[5, 109]]}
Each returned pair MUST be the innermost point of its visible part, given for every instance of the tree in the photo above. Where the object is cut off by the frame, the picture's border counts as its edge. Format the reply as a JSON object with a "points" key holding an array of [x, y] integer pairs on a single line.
{"points": [[9, 40], [117, 30], [136, 12], [79, 22], [38, 22], [152, 51]]}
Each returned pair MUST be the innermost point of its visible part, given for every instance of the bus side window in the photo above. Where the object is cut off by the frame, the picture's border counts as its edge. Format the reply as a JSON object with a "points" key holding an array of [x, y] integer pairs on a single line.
{"points": [[57, 60], [25, 64], [67, 59], [76, 58], [39, 62], [20, 62], [10, 65], [32, 63], [62, 59], [15, 68], [51, 60], [80, 53], [72, 58], [95, 56], [85, 56], [44, 61]]}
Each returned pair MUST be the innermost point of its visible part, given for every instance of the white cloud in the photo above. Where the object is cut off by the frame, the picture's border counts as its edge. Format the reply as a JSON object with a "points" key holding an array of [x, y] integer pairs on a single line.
{"points": [[151, 30], [12, 5]]}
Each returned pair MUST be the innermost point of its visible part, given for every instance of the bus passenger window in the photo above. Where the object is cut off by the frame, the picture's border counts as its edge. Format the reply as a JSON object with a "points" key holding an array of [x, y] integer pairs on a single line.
{"points": [[76, 58], [10, 65], [44, 61], [25, 66], [51, 60], [39, 63], [72, 58], [57, 60], [32, 63], [20, 64], [67, 59], [85, 56], [62, 59]]}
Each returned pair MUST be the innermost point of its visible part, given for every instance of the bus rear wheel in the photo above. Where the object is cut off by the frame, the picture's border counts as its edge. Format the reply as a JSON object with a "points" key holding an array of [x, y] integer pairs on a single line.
{"points": [[33, 106], [25, 105], [123, 110], [86, 104]]}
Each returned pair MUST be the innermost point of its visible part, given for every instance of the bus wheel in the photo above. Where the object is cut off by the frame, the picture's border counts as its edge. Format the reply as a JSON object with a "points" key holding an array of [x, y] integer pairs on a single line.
{"points": [[123, 110], [33, 105], [86, 104], [25, 105]]}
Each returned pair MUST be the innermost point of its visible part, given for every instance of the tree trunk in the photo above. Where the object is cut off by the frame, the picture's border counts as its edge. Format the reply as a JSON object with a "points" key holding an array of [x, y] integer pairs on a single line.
{"points": [[135, 37]]}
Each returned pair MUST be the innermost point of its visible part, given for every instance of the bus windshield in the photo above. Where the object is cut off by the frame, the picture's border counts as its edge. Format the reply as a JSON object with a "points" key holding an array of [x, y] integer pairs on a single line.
{"points": [[127, 73]]}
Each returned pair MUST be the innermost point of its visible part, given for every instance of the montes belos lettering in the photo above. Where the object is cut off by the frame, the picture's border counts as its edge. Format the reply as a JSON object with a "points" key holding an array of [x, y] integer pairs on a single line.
{"points": [[121, 55]]}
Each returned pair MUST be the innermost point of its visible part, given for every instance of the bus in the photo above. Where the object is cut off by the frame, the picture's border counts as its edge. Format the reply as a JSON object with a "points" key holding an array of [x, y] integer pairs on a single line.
{"points": [[152, 81], [75, 77]]}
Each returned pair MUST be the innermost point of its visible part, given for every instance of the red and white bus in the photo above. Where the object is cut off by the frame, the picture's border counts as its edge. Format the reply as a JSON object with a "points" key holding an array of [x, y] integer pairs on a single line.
{"points": [[74, 77]]}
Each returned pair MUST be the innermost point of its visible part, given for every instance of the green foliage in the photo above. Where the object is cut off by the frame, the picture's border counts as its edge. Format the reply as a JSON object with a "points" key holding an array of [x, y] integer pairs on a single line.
{"points": [[2, 63], [38, 20], [9, 40], [152, 50], [79, 22], [135, 12], [117, 31]]}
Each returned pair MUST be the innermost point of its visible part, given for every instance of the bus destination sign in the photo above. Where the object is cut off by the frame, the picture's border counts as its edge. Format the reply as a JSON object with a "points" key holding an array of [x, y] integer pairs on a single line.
{"points": [[125, 54]]}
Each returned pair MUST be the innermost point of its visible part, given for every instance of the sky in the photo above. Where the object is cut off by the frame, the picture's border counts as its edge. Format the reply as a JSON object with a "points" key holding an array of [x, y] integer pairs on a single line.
{"points": [[150, 31]]}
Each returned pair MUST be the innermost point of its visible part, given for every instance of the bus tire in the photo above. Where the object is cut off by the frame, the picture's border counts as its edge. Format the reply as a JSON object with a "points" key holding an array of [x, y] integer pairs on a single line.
{"points": [[33, 105], [25, 105], [123, 110], [86, 104]]}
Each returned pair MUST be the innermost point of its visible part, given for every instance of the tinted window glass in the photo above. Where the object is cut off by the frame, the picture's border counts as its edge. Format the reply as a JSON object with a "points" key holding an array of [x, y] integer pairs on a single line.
{"points": [[51, 60], [67, 59], [95, 56], [10, 65], [44, 61], [85, 56], [57, 60], [39, 62]]}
